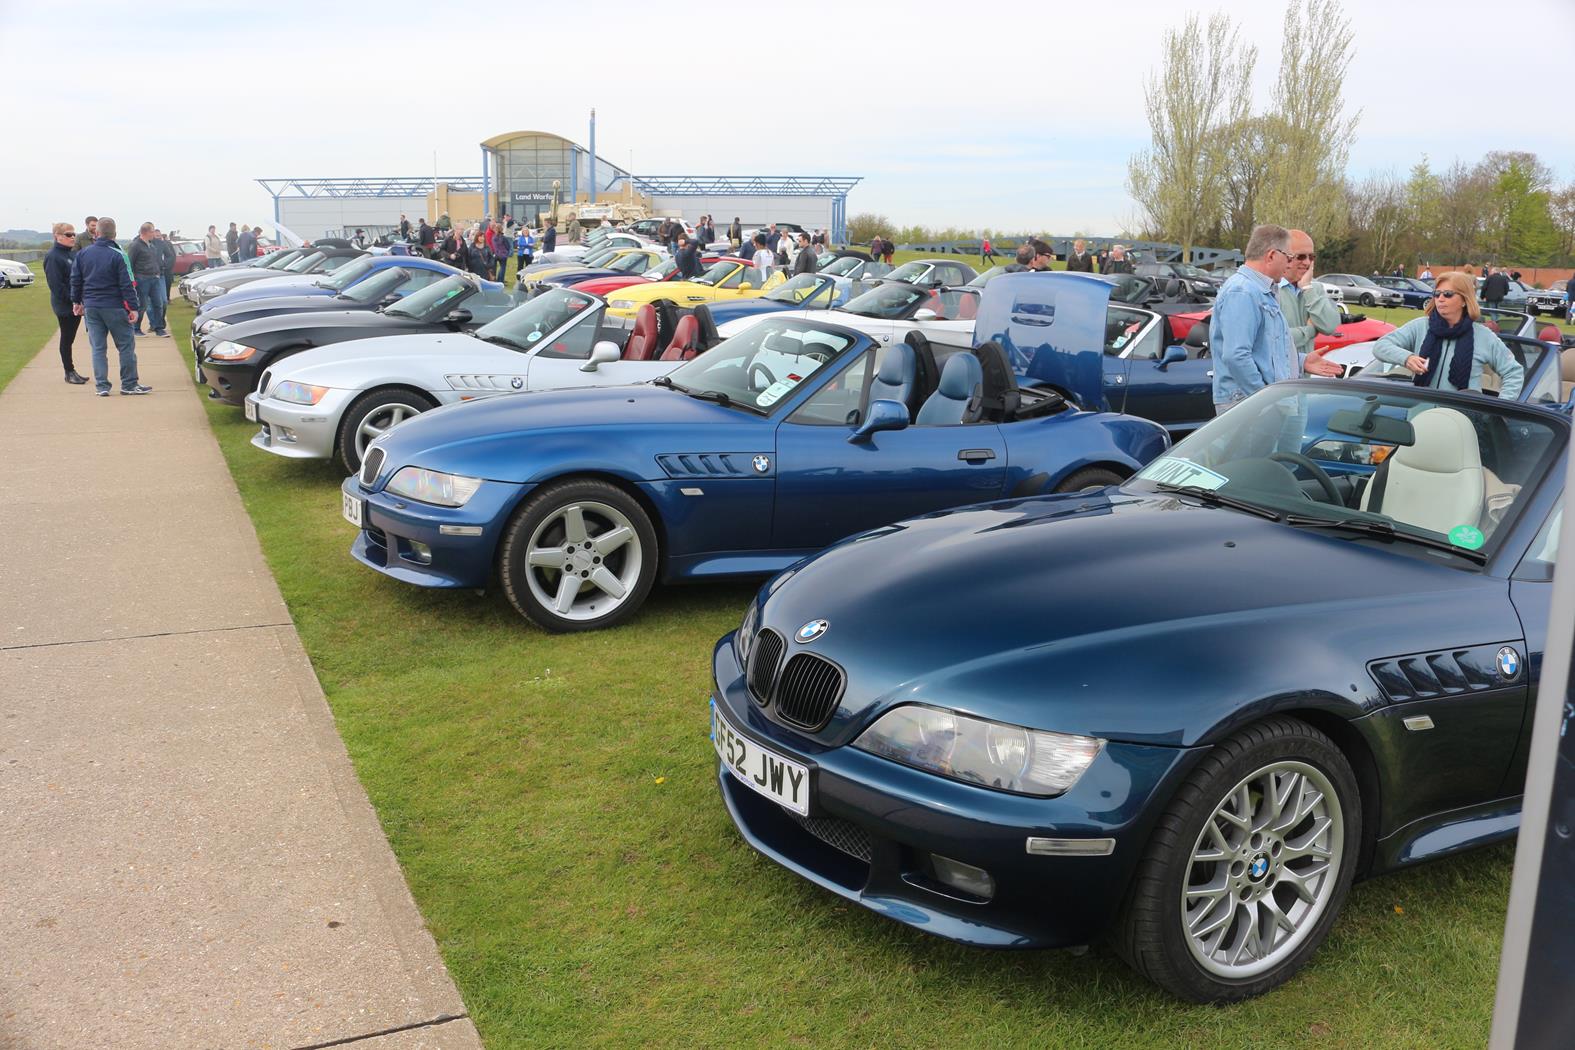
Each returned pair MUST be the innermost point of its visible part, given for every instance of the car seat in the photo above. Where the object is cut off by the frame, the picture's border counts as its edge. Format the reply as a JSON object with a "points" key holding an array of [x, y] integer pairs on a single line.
{"points": [[927, 375], [708, 336], [667, 313], [898, 370], [642, 339], [1550, 334], [968, 308], [1566, 373], [1197, 341], [1437, 483], [935, 304], [686, 336], [998, 395], [957, 397]]}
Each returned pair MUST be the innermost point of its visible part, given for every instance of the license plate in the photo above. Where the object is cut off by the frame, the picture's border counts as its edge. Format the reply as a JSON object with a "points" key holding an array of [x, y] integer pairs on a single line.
{"points": [[763, 771], [353, 509], [251, 411]]}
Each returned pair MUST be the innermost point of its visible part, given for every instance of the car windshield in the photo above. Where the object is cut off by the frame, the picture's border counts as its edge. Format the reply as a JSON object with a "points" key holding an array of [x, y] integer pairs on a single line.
{"points": [[1448, 474], [346, 275], [374, 288], [718, 273], [887, 302], [1131, 290], [278, 260], [305, 262], [1187, 270], [980, 280], [634, 262], [909, 272], [1357, 279], [807, 290], [188, 247], [525, 326], [762, 365], [597, 256], [434, 300], [840, 266], [661, 271]]}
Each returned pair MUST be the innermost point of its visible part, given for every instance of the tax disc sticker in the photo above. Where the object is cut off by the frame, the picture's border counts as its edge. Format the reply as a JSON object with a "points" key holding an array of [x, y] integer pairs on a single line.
{"points": [[533, 337], [1468, 536]]}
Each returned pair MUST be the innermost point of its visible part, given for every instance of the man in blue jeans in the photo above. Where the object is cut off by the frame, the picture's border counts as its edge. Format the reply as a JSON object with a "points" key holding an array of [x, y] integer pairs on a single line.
{"points": [[103, 295], [147, 269]]}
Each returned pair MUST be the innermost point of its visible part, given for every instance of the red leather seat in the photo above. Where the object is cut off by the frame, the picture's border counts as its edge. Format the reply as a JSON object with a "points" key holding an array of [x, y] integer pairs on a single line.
{"points": [[968, 308], [935, 304], [686, 337], [642, 341], [1551, 334]]}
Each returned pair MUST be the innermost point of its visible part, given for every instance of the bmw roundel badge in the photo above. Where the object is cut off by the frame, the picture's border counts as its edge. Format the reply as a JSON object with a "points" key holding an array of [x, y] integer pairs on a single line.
{"points": [[811, 630], [1508, 663], [518, 382], [761, 464]]}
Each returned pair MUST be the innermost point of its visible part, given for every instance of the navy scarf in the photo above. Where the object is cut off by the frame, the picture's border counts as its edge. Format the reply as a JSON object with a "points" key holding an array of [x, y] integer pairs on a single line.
{"points": [[1433, 348]]}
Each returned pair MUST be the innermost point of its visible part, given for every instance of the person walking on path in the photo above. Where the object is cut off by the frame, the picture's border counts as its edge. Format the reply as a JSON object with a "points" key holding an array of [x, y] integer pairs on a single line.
{"points": [[805, 261], [1495, 287], [150, 283], [524, 250], [427, 237], [404, 228], [1448, 346], [1079, 261], [986, 252], [549, 237], [245, 245], [213, 248], [166, 262], [1248, 336], [1307, 307], [232, 243], [502, 248], [103, 295], [57, 273]]}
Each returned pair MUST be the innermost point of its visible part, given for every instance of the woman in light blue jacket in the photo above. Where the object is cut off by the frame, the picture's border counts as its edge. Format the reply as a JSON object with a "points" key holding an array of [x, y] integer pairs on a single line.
{"points": [[1448, 346]]}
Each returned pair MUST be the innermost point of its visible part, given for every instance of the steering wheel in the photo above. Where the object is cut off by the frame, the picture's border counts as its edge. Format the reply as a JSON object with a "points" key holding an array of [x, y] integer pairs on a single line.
{"points": [[1323, 479], [755, 366]]}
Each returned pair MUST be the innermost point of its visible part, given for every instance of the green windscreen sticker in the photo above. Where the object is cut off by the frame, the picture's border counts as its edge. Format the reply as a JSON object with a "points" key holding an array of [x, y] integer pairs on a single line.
{"points": [[1468, 536]]}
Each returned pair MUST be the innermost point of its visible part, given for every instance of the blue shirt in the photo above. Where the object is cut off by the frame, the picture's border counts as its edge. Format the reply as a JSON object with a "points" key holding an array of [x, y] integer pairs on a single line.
{"points": [[1248, 338]]}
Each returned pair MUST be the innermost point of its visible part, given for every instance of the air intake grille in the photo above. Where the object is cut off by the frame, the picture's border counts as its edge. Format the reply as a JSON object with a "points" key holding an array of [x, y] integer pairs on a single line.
{"points": [[763, 664], [808, 691], [1428, 675], [372, 464], [706, 464], [262, 384], [839, 834]]}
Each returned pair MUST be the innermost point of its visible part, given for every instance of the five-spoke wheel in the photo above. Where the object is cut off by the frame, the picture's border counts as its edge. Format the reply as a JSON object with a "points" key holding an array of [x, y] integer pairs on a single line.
{"points": [[373, 415]]}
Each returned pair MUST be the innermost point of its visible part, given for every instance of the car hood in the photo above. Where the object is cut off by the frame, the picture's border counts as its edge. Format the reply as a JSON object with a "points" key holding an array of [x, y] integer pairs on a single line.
{"points": [[618, 430], [269, 329], [734, 309], [268, 287], [347, 365], [650, 291], [1095, 614], [280, 304]]}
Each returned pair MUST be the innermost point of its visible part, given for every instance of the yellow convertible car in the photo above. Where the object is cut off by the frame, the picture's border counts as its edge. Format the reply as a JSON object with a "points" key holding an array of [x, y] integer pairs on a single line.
{"points": [[608, 261], [727, 279]]}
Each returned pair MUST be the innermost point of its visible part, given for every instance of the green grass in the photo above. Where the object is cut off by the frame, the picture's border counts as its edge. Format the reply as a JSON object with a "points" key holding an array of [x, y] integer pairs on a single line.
{"points": [[25, 323], [552, 801]]}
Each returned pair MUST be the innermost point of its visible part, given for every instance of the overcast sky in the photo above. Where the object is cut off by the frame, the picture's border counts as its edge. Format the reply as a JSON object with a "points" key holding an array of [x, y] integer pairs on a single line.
{"points": [[1006, 114]]}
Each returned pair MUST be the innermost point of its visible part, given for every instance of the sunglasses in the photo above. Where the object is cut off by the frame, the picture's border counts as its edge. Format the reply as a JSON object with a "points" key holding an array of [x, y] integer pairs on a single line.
{"points": [[1302, 257], [68, 235], [1445, 295]]}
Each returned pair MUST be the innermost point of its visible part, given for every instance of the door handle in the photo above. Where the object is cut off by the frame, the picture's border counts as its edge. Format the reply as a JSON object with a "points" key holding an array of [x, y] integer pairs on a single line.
{"points": [[1119, 380], [1210, 373], [976, 455]]}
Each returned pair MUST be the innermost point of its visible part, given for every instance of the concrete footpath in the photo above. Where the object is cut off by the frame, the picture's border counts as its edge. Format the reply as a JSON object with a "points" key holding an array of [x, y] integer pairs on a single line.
{"points": [[186, 856]]}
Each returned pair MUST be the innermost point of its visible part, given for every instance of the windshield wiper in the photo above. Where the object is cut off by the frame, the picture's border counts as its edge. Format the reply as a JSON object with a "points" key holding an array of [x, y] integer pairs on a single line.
{"points": [[1384, 531], [504, 341], [1218, 499], [719, 397]]}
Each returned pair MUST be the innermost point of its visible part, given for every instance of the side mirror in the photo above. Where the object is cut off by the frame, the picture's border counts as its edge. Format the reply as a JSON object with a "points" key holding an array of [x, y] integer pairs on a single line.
{"points": [[459, 317], [746, 286], [1174, 355], [602, 353], [926, 314], [884, 415]]}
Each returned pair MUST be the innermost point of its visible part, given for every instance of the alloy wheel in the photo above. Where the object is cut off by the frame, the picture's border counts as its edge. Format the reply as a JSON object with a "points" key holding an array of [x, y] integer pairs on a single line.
{"points": [[583, 560], [379, 421]]}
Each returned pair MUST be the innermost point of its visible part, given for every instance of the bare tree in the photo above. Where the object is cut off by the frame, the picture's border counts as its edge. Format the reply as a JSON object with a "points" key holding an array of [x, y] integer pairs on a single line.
{"points": [[1380, 217], [1305, 182], [1202, 86], [1248, 147]]}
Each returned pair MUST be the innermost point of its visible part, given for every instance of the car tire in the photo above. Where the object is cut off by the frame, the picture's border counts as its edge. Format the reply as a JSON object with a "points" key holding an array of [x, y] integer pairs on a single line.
{"points": [[611, 590], [1267, 860], [1366, 299], [1090, 479], [370, 415]]}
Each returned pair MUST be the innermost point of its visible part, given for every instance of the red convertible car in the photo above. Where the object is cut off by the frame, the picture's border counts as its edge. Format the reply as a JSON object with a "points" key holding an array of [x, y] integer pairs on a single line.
{"points": [[667, 271], [1354, 328]]}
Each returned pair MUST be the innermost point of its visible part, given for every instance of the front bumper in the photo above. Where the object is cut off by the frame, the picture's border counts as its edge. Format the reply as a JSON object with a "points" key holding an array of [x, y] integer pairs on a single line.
{"points": [[17, 279], [298, 431], [230, 383], [392, 528], [887, 819]]}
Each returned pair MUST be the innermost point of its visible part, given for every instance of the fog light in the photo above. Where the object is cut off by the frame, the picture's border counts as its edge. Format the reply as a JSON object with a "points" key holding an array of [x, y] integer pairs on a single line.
{"points": [[973, 881], [286, 434], [420, 552]]}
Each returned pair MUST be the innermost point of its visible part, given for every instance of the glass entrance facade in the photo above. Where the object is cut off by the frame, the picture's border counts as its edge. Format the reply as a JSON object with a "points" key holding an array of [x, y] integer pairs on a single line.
{"points": [[525, 164]]}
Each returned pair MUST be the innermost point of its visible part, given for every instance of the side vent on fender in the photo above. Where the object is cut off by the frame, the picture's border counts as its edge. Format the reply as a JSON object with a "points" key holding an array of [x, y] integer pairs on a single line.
{"points": [[1452, 672], [705, 464]]}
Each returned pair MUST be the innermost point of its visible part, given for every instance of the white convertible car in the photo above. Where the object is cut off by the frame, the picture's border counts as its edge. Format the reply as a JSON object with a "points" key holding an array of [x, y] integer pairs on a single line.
{"points": [[889, 311], [332, 401]]}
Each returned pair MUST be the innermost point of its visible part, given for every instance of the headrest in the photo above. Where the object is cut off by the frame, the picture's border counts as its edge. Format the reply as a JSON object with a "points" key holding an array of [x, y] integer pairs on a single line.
{"points": [[645, 321], [1550, 334], [1446, 443], [1172, 288], [1567, 365], [961, 377], [896, 368], [1198, 335]]}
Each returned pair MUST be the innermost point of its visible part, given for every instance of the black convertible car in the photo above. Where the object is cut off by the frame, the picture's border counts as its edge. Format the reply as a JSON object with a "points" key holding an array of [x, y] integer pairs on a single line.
{"points": [[384, 288], [231, 358]]}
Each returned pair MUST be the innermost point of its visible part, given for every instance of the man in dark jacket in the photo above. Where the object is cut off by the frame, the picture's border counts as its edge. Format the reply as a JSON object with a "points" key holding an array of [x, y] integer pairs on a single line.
{"points": [[549, 237], [57, 272], [1118, 261], [104, 297], [166, 262], [1079, 261], [246, 245], [88, 234], [232, 242], [426, 237], [688, 258], [150, 283], [804, 261], [1495, 287], [404, 228]]}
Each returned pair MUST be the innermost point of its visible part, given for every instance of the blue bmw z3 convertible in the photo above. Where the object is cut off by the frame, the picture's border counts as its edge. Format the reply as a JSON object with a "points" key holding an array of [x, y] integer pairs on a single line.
{"points": [[1182, 713], [759, 451]]}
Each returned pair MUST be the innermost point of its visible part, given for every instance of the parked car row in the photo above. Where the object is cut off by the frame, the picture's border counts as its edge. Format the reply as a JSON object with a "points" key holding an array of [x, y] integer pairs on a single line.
{"points": [[893, 447]]}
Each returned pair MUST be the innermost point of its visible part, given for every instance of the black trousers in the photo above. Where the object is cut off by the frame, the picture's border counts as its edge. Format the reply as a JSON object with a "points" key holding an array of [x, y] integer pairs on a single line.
{"points": [[69, 323]]}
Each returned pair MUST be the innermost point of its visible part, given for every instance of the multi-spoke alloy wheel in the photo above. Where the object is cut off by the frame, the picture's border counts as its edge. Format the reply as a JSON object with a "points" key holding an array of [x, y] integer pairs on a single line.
{"points": [[1248, 867], [578, 556], [1263, 870]]}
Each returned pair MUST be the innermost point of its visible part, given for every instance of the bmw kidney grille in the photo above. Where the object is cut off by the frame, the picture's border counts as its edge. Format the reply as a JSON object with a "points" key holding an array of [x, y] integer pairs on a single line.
{"points": [[808, 690], [373, 464], [763, 664]]}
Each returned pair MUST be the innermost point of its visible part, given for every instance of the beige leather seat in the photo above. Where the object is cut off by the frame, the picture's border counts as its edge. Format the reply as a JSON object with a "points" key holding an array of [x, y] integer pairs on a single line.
{"points": [[1566, 373], [1437, 483]]}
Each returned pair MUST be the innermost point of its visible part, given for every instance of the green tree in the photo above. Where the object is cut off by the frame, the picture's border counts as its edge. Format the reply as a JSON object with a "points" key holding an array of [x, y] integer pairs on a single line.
{"points": [[1424, 204], [1520, 222], [1203, 85], [866, 225]]}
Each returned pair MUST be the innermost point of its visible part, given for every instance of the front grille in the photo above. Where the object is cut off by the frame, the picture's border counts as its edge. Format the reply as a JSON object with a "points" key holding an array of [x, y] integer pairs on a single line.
{"points": [[763, 664], [372, 464], [838, 834], [808, 691]]}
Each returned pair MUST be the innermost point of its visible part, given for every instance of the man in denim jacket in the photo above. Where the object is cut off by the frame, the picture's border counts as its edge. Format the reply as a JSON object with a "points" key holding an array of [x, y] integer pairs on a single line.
{"points": [[1248, 336]]}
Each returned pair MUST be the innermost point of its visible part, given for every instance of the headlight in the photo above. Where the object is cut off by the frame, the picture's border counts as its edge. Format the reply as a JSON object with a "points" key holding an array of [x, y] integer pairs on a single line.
{"points": [[209, 326], [744, 640], [298, 393], [989, 754], [228, 351], [433, 486]]}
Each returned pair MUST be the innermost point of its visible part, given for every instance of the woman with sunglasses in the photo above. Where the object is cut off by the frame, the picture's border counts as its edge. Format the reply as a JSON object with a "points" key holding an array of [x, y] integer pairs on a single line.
{"points": [[1448, 346]]}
